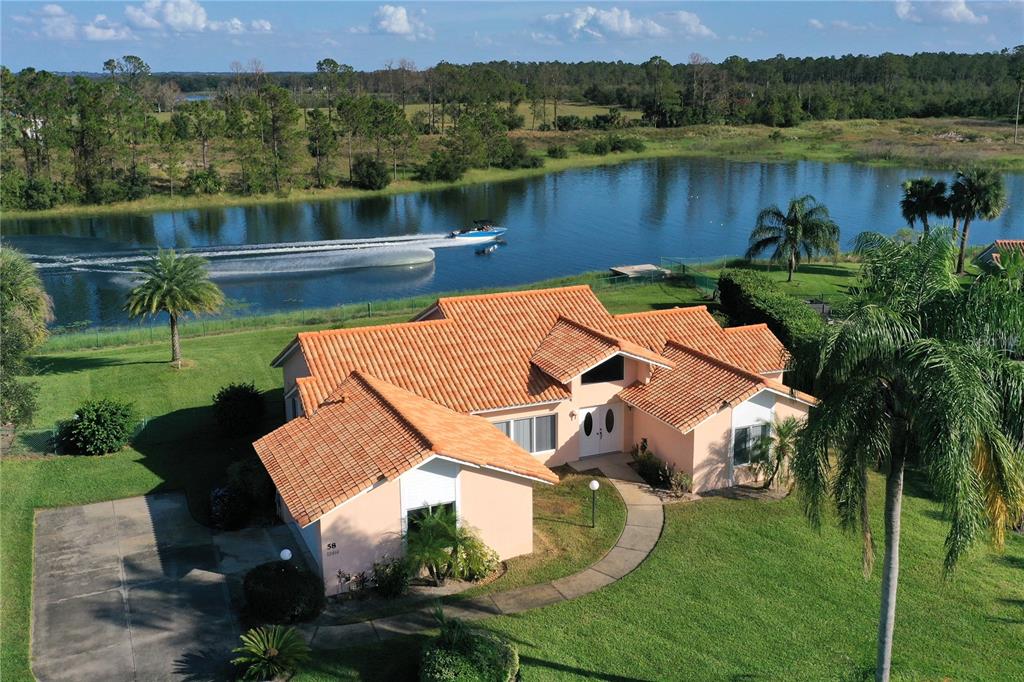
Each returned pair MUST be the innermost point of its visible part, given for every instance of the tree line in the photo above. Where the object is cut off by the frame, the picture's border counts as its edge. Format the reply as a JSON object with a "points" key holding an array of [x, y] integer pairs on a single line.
{"points": [[97, 139]]}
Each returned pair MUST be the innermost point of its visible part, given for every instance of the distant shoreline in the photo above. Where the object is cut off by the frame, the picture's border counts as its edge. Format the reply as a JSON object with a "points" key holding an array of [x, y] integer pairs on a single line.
{"points": [[870, 142]]}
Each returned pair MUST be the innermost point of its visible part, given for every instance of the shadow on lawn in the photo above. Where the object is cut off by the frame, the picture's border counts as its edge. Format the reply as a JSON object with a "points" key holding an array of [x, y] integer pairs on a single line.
{"points": [[68, 364]]}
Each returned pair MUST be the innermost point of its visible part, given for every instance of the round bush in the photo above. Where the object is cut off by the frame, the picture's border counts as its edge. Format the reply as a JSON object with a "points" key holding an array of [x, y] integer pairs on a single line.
{"points": [[98, 427], [250, 477], [369, 173], [238, 409], [230, 507], [485, 658], [281, 592]]}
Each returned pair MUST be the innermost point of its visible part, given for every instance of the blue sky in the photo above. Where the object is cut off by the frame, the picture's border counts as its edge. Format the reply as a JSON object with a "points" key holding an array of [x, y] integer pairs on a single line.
{"points": [[195, 35]]}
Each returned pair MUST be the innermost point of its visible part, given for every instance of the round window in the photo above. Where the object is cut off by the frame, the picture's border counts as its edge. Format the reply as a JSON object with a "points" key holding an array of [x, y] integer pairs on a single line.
{"points": [[609, 421], [588, 424]]}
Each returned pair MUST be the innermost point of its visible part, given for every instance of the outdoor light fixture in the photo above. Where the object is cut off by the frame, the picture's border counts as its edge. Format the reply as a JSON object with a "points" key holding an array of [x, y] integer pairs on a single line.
{"points": [[286, 554], [594, 485]]}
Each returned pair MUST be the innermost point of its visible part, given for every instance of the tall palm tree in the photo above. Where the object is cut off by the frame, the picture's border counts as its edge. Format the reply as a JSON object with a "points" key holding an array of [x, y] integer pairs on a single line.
{"points": [[923, 197], [805, 229], [976, 193], [175, 285], [920, 372]]}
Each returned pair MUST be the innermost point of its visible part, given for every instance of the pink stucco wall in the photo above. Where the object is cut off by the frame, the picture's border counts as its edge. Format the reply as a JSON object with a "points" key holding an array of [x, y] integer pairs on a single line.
{"points": [[500, 508], [294, 367], [712, 450], [363, 530], [666, 442]]}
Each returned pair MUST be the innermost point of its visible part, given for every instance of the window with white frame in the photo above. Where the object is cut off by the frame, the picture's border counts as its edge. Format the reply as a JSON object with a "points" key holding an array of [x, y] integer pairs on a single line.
{"points": [[533, 434], [747, 443]]}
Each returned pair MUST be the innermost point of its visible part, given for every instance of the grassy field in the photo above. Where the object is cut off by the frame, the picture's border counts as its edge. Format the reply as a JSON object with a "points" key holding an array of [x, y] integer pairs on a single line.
{"points": [[915, 143], [746, 590]]}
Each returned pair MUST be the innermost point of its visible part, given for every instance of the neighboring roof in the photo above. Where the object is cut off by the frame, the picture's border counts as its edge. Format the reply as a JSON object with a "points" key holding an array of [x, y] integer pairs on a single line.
{"points": [[367, 431], [698, 387], [571, 348], [999, 246], [474, 353]]}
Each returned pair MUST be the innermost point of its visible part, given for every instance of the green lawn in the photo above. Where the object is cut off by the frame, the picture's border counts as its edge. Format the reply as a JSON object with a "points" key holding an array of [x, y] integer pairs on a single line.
{"points": [[747, 590]]}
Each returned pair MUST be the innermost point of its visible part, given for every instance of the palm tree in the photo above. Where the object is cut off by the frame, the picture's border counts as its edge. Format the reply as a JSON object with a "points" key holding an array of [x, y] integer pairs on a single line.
{"points": [[806, 228], [923, 197], [976, 193], [914, 374], [775, 453], [175, 285]]}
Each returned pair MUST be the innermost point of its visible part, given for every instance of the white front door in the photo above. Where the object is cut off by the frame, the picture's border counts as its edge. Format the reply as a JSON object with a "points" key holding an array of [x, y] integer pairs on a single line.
{"points": [[600, 429]]}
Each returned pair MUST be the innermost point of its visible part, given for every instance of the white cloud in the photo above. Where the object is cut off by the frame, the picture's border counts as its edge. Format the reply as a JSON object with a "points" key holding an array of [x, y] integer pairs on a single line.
{"points": [[396, 20], [57, 23], [102, 29], [598, 23], [615, 22], [958, 12], [814, 23], [844, 25], [542, 38], [690, 24], [946, 11], [233, 26], [22, 19], [186, 16]]}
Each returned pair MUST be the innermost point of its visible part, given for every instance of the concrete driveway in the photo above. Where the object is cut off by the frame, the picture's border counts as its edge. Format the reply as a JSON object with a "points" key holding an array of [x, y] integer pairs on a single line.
{"points": [[135, 589]]}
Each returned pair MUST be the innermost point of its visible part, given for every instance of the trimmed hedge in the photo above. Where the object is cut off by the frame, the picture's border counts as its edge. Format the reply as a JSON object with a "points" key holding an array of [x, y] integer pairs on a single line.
{"points": [[750, 297], [484, 658]]}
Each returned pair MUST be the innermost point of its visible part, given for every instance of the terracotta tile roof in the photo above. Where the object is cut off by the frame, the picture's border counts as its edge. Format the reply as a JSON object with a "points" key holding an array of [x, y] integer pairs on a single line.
{"points": [[571, 348], [753, 347], [368, 430], [699, 386], [478, 356]]}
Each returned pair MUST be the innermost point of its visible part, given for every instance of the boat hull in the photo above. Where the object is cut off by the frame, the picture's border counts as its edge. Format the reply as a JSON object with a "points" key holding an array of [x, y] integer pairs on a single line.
{"points": [[479, 236]]}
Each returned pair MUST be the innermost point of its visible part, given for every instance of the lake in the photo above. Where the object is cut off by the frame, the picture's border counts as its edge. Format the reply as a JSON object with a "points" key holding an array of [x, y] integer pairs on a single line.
{"points": [[558, 224]]}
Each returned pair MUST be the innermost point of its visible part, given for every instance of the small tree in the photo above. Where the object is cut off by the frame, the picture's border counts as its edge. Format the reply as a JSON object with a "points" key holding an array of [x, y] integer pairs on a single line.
{"points": [[99, 427], [24, 311], [369, 173], [238, 408], [976, 193], [805, 229], [775, 452], [270, 652], [923, 197], [322, 143], [176, 285]]}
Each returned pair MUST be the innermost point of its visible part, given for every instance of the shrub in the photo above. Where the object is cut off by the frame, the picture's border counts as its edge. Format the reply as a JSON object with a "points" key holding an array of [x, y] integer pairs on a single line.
{"points": [[442, 166], [270, 652], [391, 577], [599, 146], [238, 409], [250, 477], [558, 151], [471, 657], [282, 592], [206, 181], [369, 173], [447, 550], [618, 143], [750, 297], [98, 427], [680, 482], [658, 473], [515, 154], [230, 508]]}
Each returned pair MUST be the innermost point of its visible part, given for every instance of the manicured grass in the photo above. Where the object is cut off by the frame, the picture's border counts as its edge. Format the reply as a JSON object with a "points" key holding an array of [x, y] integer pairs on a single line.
{"points": [[902, 142], [563, 541], [747, 590]]}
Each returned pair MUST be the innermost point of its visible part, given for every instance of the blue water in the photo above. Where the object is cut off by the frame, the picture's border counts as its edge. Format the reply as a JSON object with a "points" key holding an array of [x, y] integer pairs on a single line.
{"points": [[559, 224]]}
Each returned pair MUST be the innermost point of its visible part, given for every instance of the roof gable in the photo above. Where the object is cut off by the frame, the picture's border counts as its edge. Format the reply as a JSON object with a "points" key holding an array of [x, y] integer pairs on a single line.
{"points": [[368, 430], [571, 348]]}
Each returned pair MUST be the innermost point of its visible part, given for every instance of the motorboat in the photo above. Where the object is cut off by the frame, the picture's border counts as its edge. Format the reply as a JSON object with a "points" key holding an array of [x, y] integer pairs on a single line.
{"points": [[481, 231]]}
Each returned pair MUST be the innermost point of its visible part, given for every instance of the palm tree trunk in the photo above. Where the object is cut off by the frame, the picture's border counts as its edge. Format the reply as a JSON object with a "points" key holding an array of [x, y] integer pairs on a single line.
{"points": [[792, 267], [963, 246], [175, 342], [890, 565], [924, 224], [1016, 119]]}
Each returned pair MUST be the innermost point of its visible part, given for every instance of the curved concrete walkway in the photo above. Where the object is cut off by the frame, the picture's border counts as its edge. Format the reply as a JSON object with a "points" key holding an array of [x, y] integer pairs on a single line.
{"points": [[644, 519]]}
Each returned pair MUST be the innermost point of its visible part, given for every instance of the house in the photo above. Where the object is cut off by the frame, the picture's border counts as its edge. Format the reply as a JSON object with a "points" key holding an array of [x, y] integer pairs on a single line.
{"points": [[471, 403], [990, 256]]}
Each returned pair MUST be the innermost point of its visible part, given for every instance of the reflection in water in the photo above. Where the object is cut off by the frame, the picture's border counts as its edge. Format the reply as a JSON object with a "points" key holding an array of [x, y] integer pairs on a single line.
{"points": [[559, 224]]}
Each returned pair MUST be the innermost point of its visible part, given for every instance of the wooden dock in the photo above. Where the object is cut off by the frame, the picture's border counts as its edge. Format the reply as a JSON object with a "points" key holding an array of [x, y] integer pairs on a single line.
{"points": [[643, 270]]}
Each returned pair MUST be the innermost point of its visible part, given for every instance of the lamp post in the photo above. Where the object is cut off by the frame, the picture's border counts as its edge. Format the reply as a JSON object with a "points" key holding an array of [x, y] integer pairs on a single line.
{"points": [[286, 554], [594, 485]]}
